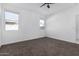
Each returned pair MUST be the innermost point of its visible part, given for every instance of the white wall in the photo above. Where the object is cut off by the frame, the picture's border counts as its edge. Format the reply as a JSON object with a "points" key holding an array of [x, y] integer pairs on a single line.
{"points": [[63, 25], [0, 26], [28, 26]]}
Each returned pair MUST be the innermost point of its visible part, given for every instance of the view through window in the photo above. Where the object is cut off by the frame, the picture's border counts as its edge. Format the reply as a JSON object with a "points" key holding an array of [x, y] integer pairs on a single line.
{"points": [[11, 20]]}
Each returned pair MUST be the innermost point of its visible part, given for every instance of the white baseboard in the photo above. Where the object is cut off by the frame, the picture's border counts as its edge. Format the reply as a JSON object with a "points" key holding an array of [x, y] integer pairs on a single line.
{"points": [[22, 40], [76, 42]]}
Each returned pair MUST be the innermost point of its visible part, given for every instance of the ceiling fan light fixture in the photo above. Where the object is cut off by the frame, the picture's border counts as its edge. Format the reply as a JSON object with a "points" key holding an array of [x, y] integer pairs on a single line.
{"points": [[48, 6]]}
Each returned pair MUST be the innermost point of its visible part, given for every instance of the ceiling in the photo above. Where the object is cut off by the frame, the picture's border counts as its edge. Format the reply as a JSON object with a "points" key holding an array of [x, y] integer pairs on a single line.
{"points": [[35, 7]]}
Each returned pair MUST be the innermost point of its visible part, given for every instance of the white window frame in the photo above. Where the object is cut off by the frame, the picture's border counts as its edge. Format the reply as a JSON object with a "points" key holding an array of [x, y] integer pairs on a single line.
{"points": [[10, 27], [42, 23]]}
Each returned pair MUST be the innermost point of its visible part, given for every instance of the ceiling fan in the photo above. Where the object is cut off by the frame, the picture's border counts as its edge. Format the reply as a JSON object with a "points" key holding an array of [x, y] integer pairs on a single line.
{"points": [[47, 4]]}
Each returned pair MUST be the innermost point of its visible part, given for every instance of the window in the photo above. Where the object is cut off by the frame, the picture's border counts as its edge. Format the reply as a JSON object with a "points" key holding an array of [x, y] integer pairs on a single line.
{"points": [[11, 20], [42, 23]]}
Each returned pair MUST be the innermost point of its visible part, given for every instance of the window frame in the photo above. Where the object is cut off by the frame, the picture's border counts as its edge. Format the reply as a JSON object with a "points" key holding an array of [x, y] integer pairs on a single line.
{"points": [[43, 26], [17, 23]]}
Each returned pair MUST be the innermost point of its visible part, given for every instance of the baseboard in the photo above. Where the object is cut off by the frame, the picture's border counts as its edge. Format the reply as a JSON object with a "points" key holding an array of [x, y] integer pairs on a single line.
{"points": [[50, 36], [22, 40]]}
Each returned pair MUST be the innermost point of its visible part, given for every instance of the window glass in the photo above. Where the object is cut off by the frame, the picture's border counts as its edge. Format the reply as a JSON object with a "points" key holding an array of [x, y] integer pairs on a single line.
{"points": [[11, 20], [42, 23]]}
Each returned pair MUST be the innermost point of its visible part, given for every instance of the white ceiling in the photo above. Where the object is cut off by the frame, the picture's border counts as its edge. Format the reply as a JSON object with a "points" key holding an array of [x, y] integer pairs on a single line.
{"points": [[35, 7]]}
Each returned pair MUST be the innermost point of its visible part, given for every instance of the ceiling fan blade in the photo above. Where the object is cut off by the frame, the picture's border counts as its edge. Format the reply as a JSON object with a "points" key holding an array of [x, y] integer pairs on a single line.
{"points": [[47, 4], [42, 5]]}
